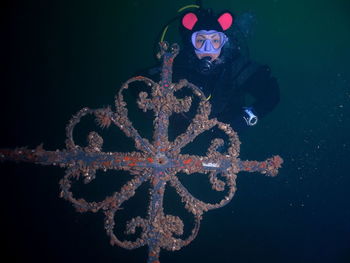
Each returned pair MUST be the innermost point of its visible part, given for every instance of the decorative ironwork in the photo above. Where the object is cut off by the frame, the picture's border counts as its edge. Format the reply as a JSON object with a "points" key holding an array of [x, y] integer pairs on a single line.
{"points": [[157, 162]]}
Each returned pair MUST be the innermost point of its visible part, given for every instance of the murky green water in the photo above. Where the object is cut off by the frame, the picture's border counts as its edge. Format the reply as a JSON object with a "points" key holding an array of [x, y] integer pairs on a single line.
{"points": [[59, 56]]}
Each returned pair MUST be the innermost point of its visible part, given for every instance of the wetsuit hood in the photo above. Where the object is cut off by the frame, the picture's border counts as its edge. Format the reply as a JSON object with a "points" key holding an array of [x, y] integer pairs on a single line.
{"points": [[203, 19]]}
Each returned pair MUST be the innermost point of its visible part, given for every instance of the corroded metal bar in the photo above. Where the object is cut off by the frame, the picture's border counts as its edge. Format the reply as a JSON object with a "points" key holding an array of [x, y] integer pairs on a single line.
{"points": [[122, 161], [155, 215], [269, 167], [93, 160], [168, 58]]}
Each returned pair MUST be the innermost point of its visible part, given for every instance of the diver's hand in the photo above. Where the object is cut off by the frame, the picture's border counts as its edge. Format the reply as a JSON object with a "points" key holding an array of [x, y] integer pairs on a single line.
{"points": [[249, 116], [245, 120]]}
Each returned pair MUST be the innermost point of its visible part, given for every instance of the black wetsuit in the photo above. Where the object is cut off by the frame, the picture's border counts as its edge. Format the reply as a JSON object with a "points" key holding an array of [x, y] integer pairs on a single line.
{"points": [[228, 85]]}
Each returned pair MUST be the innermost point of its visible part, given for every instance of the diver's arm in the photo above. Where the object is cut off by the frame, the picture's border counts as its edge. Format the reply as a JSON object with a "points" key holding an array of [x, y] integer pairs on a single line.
{"points": [[265, 91]]}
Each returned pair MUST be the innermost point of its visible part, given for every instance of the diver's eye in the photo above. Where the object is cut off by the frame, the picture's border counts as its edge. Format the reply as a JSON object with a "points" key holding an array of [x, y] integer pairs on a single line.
{"points": [[200, 40], [216, 41]]}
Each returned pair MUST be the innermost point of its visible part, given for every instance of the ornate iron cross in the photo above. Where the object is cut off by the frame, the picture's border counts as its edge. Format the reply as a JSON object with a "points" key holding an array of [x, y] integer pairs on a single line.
{"points": [[158, 161]]}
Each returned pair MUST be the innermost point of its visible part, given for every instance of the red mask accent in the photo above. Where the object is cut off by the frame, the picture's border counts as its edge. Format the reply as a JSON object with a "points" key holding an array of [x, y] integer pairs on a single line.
{"points": [[189, 20], [225, 21]]}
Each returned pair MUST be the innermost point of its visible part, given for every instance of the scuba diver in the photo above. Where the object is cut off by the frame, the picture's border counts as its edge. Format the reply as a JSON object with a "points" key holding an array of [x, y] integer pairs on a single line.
{"points": [[214, 61]]}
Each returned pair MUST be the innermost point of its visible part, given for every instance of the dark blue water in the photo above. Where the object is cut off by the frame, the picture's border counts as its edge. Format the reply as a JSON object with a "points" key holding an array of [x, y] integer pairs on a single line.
{"points": [[60, 56]]}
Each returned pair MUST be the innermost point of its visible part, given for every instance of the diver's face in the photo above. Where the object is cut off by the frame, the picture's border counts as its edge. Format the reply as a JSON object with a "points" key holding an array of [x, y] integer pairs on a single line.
{"points": [[215, 40]]}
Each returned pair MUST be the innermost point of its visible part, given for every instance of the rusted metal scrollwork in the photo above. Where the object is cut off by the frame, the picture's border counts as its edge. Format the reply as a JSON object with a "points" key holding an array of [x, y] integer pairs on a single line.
{"points": [[158, 161]]}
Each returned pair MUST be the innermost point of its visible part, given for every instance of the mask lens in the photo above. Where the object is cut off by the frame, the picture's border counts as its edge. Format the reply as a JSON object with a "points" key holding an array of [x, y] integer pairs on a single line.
{"points": [[216, 41], [213, 39]]}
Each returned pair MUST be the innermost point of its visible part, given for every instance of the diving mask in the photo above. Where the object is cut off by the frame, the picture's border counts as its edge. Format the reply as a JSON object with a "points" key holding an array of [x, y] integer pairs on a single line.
{"points": [[208, 41]]}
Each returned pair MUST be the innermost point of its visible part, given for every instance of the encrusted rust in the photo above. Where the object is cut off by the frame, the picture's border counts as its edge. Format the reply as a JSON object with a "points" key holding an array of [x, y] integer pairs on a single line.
{"points": [[158, 161]]}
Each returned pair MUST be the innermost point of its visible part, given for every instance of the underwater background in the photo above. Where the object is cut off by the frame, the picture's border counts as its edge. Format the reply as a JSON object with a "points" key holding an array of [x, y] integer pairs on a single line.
{"points": [[60, 56]]}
